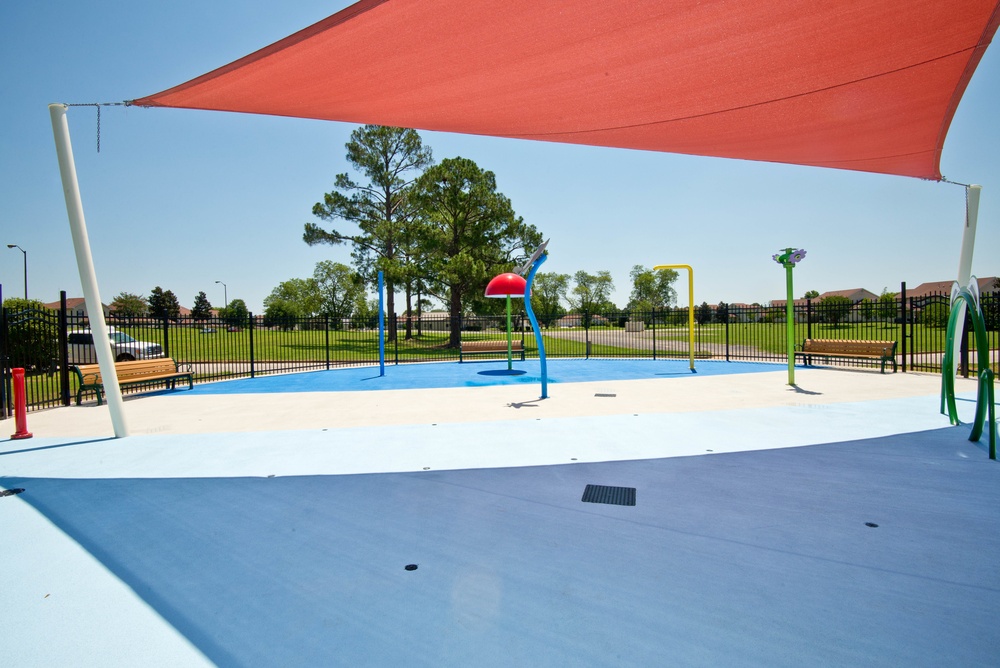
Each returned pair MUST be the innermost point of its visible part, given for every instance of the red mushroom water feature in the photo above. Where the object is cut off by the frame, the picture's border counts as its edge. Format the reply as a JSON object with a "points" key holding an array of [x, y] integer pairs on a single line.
{"points": [[507, 285]]}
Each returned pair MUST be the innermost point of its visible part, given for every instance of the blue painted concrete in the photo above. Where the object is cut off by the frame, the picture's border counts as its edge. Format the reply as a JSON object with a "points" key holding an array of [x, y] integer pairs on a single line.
{"points": [[476, 374], [754, 559]]}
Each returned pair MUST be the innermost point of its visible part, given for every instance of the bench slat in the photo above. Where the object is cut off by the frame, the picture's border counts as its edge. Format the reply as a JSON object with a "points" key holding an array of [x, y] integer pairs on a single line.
{"points": [[490, 346], [475, 346]]}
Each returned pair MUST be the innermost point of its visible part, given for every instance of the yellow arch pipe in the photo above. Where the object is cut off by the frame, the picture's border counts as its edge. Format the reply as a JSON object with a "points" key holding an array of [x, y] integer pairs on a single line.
{"points": [[690, 304]]}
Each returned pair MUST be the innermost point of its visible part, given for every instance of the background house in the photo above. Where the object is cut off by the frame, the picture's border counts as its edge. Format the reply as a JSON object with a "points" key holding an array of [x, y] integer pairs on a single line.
{"points": [[988, 284], [856, 295], [77, 306]]}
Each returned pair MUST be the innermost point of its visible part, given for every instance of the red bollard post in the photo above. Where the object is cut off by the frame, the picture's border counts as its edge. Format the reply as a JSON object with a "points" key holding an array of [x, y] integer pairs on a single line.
{"points": [[20, 406]]}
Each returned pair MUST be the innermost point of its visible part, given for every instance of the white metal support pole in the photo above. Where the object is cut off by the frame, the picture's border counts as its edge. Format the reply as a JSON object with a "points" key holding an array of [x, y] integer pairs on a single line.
{"points": [[85, 263], [965, 256], [969, 234]]}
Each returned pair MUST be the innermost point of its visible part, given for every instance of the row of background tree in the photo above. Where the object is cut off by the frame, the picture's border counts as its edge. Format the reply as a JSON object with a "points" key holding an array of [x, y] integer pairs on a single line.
{"points": [[339, 293], [164, 304]]}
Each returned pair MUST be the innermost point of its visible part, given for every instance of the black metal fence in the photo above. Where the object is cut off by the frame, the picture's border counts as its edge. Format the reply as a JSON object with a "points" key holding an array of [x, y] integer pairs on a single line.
{"points": [[48, 344]]}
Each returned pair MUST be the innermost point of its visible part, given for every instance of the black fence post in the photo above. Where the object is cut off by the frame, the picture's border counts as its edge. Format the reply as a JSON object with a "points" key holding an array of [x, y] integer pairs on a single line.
{"points": [[250, 329], [727, 316], [63, 351], [966, 329], [653, 321], [903, 325], [326, 328], [166, 337], [809, 318], [395, 341]]}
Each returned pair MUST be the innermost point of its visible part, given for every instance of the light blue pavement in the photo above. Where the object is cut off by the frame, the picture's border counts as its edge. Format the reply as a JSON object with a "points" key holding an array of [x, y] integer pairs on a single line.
{"points": [[867, 553], [841, 534]]}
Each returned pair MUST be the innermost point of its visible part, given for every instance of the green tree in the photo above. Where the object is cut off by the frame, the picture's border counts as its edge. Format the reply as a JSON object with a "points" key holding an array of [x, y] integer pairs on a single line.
{"points": [[811, 294], [548, 293], [202, 309], [32, 335], [279, 314], [722, 312], [163, 304], [703, 314], [128, 305], [651, 288], [887, 306], [338, 288], [291, 299], [935, 314], [380, 207], [592, 293], [235, 314], [471, 233], [835, 308], [365, 314]]}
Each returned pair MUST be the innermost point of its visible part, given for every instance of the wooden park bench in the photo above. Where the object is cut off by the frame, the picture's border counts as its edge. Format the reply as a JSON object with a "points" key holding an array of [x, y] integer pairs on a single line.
{"points": [[153, 371], [880, 351], [495, 347]]}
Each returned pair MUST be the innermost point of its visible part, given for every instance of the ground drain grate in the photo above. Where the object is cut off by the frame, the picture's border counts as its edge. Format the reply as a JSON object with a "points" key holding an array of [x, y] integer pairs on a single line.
{"points": [[616, 496], [11, 492]]}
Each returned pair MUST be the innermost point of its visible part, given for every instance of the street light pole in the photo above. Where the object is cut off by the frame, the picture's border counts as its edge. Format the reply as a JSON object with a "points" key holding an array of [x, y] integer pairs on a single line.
{"points": [[25, 268], [225, 294]]}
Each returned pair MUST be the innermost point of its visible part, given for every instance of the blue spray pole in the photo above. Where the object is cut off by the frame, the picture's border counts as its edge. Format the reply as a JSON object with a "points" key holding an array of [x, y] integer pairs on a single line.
{"points": [[534, 324], [381, 324]]}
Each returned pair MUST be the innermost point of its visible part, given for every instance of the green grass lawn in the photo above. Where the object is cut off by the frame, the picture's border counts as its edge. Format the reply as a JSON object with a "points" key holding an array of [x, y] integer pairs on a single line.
{"points": [[189, 345]]}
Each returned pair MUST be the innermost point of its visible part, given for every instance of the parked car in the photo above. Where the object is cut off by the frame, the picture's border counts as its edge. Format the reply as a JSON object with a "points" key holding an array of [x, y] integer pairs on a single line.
{"points": [[126, 348]]}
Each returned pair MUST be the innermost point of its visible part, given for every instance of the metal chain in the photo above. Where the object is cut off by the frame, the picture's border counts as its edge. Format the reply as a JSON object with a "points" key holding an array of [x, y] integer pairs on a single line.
{"points": [[954, 183], [98, 105]]}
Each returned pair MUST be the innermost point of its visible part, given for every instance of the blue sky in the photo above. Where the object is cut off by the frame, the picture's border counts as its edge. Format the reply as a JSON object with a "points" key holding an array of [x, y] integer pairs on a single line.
{"points": [[181, 199]]}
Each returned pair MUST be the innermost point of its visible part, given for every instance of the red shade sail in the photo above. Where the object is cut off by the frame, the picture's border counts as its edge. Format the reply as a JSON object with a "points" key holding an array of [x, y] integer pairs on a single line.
{"points": [[506, 285], [851, 84]]}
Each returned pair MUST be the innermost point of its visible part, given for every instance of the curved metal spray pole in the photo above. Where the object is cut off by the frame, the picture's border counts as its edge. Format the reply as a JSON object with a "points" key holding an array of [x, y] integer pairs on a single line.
{"points": [[534, 324], [985, 399], [381, 324]]}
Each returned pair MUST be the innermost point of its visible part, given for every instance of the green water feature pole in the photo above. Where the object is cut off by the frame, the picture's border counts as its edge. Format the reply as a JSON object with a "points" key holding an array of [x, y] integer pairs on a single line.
{"points": [[788, 258], [510, 356]]}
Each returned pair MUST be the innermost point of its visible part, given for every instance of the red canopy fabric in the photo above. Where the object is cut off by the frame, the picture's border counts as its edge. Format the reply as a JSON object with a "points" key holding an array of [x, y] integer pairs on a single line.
{"points": [[850, 84]]}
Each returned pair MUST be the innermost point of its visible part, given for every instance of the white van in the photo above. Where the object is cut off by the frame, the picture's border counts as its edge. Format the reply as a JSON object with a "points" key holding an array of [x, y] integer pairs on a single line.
{"points": [[126, 348]]}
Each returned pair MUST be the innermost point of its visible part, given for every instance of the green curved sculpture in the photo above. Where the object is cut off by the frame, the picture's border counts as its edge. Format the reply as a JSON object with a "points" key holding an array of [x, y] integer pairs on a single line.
{"points": [[985, 399]]}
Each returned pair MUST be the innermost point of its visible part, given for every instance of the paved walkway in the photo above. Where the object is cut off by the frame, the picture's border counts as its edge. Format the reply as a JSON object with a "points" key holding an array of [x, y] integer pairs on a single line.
{"points": [[445, 526]]}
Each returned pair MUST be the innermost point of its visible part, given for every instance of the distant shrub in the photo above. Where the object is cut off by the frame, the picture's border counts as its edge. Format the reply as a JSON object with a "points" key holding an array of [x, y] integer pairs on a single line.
{"points": [[935, 315], [33, 335]]}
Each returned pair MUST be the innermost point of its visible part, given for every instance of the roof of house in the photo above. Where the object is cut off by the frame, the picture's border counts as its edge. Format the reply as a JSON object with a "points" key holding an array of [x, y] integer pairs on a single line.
{"points": [[987, 284], [854, 294], [72, 303]]}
